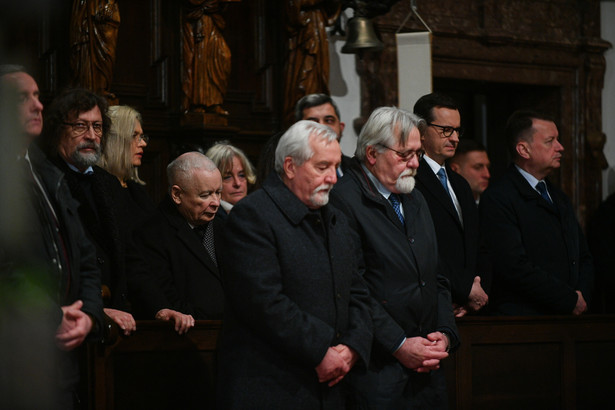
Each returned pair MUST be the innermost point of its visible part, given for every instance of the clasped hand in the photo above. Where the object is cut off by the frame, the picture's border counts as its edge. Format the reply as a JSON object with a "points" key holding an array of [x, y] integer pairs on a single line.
{"points": [[336, 364]]}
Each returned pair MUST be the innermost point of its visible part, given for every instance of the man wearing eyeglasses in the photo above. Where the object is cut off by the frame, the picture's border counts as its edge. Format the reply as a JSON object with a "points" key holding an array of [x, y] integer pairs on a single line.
{"points": [[451, 202], [414, 326], [73, 138]]}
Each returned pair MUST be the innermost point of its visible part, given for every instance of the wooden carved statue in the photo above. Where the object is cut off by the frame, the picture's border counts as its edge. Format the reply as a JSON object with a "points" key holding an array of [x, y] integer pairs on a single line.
{"points": [[206, 62], [307, 69], [93, 38]]}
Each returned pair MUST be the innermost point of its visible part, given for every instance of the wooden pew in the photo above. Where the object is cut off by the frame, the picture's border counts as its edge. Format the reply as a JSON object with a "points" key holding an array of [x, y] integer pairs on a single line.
{"points": [[547, 362], [554, 362]]}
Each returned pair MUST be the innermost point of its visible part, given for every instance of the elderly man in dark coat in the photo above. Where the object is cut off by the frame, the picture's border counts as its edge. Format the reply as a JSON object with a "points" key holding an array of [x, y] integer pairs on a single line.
{"points": [[411, 306], [297, 318]]}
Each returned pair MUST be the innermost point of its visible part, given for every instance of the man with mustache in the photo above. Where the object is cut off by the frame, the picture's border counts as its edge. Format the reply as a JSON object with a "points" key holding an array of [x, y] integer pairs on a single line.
{"points": [[73, 138], [541, 263], [450, 201], [414, 326], [297, 319]]}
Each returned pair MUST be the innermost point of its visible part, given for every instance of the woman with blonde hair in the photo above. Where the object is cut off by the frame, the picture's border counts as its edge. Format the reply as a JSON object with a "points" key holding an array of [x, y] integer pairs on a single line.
{"points": [[123, 152], [237, 172]]}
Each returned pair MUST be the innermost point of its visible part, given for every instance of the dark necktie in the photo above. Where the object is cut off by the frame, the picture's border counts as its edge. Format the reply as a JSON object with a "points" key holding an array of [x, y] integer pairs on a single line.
{"points": [[206, 234], [394, 200], [541, 186]]}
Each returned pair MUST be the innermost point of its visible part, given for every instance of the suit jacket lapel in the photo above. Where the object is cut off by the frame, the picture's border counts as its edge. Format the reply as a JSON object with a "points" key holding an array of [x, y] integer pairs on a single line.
{"points": [[188, 238], [433, 185]]}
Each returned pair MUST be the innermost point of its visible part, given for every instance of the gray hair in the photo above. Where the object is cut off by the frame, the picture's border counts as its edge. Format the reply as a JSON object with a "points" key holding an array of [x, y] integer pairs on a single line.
{"points": [[295, 142], [12, 68], [180, 169], [222, 154], [314, 100], [386, 126]]}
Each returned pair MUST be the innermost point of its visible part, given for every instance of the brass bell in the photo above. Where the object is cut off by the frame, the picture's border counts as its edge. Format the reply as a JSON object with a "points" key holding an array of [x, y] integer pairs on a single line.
{"points": [[361, 36]]}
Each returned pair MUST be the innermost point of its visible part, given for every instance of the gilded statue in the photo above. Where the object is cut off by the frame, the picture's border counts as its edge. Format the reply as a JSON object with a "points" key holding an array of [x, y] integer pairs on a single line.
{"points": [[206, 61], [93, 39], [307, 69]]}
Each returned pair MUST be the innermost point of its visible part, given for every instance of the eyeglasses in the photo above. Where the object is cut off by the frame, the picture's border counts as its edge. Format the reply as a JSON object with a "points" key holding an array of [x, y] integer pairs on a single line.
{"points": [[81, 127], [141, 137], [406, 155], [447, 131]]}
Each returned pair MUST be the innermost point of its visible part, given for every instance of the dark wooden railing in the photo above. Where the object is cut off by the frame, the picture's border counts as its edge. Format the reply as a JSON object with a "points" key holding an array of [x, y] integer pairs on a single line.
{"points": [[555, 362]]}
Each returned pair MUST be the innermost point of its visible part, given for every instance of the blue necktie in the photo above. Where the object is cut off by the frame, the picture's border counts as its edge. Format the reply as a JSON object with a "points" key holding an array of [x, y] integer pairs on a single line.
{"points": [[541, 186], [394, 200], [442, 177]]}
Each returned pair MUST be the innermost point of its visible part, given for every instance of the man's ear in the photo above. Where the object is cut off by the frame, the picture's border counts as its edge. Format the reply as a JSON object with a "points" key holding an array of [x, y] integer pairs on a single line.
{"points": [[289, 168], [523, 149], [176, 194], [454, 166], [370, 154], [342, 125]]}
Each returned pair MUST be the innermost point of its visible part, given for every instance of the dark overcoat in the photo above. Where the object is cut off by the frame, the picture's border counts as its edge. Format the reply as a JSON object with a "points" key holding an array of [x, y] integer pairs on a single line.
{"points": [[170, 268], [538, 251], [400, 264], [293, 290]]}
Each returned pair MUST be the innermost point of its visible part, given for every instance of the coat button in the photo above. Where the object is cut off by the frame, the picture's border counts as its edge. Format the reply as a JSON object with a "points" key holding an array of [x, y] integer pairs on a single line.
{"points": [[423, 283], [411, 240]]}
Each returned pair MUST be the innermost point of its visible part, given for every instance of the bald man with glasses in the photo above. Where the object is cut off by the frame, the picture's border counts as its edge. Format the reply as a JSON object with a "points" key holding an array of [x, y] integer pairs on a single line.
{"points": [[451, 202]]}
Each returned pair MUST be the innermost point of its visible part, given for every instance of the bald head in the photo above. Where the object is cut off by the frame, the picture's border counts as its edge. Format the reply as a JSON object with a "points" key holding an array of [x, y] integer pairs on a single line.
{"points": [[195, 186]]}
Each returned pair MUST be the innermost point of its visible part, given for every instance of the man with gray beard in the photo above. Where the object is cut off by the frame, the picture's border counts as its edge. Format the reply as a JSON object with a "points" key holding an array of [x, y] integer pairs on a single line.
{"points": [[73, 139], [414, 326]]}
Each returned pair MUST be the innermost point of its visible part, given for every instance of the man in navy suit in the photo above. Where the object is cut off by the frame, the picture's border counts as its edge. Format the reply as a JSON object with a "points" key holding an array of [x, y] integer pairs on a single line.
{"points": [[451, 202], [541, 262]]}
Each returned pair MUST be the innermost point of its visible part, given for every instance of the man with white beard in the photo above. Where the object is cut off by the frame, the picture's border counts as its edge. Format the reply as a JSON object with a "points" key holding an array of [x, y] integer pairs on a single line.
{"points": [[414, 326], [297, 318]]}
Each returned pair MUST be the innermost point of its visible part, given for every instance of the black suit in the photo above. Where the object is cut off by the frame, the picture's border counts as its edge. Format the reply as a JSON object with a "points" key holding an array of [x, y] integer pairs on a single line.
{"points": [[538, 251], [293, 291], [409, 296], [172, 268], [457, 243]]}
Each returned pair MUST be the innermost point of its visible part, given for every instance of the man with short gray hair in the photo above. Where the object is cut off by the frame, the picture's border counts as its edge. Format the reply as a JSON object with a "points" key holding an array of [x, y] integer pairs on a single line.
{"points": [[297, 318], [181, 280], [414, 327]]}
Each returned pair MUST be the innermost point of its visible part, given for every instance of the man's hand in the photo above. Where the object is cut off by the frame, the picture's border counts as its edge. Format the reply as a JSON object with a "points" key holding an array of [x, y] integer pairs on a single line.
{"points": [[74, 327], [349, 355], [459, 311], [333, 367], [477, 298], [581, 306], [123, 319], [182, 322], [421, 354]]}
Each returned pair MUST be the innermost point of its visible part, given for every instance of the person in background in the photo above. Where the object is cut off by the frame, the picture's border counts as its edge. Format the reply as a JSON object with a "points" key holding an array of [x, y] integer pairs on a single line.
{"points": [[124, 148], [541, 261], [472, 162], [73, 139], [237, 174], [451, 203]]}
